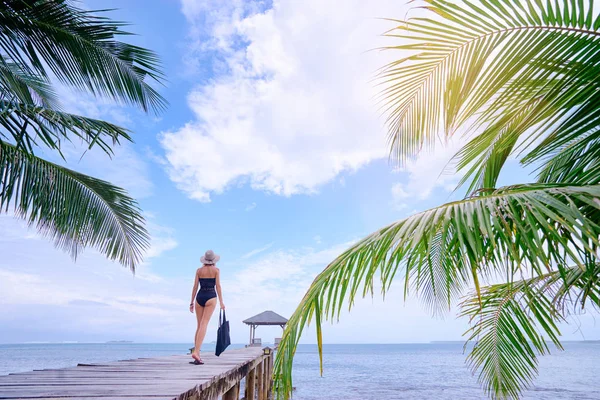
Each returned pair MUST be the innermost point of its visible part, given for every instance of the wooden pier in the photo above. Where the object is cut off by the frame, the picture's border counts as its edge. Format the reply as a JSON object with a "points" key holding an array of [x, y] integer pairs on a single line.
{"points": [[169, 377]]}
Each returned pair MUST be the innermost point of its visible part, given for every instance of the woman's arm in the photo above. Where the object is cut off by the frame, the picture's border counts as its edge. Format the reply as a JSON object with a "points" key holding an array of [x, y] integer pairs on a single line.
{"points": [[194, 291], [219, 289]]}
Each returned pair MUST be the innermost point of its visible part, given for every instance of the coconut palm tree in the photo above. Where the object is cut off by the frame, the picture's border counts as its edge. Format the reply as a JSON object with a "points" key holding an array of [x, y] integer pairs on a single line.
{"points": [[42, 41], [522, 80]]}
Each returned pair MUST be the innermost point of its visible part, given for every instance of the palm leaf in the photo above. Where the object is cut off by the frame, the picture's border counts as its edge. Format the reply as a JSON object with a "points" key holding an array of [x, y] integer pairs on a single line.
{"points": [[480, 64], [40, 39], [20, 86], [577, 161], [511, 322], [532, 228], [80, 49], [507, 322], [51, 127], [75, 210]]}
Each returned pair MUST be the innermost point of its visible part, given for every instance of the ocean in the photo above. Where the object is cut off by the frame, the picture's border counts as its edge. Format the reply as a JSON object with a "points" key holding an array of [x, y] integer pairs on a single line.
{"points": [[354, 372]]}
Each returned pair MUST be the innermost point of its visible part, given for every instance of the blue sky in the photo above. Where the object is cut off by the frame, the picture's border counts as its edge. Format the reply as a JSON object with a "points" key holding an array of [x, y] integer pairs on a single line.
{"points": [[271, 153]]}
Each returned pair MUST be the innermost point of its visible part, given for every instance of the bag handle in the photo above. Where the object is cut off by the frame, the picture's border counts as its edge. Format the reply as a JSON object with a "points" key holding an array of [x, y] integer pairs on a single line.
{"points": [[222, 313]]}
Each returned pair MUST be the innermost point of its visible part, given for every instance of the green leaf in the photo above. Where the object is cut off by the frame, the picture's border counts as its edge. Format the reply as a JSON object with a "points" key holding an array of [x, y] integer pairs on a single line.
{"points": [[29, 126], [80, 48], [506, 323], [446, 82], [512, 322], [444, 250], [74, 210], [18, 85]]}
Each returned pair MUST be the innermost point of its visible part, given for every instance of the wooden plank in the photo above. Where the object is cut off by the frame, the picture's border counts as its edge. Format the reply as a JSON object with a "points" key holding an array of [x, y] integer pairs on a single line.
{"points": [[107, 398], [105, 376], [52, 376], [91, 389], [163, 377], [103, 381]]}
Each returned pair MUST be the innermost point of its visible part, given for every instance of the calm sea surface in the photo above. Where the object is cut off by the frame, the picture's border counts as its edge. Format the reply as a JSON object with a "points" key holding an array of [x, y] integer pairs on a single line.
{"points": [[354, 372]]}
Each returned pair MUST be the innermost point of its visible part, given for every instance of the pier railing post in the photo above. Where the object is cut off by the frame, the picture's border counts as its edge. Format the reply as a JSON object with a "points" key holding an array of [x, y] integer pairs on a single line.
{"points": [[261, 380], [268, 374], [250, 384], [233, 393], [265, 378]]}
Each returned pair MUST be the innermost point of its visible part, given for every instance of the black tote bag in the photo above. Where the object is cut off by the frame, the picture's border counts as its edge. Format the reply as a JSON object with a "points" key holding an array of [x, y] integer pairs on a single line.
{"points": [[223, 339]]}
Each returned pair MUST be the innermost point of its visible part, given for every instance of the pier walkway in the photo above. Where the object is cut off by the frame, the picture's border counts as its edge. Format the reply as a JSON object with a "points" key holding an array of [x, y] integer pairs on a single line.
{"points": [[169, 377]]}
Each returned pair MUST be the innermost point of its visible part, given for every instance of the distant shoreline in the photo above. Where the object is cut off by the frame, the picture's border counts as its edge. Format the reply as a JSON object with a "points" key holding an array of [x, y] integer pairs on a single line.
{"points": [[308, 344]]}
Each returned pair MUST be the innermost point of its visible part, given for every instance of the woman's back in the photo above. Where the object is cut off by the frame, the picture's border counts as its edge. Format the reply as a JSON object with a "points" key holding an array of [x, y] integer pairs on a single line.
{"points": [[207, 275], [207, 271]]}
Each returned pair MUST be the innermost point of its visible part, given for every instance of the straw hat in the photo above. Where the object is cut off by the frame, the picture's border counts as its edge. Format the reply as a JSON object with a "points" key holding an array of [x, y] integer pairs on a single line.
{"points": [[209, 258]]}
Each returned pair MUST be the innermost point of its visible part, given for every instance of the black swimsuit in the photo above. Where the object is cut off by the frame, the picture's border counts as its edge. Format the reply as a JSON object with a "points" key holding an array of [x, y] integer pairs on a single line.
{"points": [[207, 290]]}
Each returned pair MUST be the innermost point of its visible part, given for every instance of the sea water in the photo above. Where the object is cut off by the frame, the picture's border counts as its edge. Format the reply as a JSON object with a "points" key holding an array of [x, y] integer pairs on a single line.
{"points": [[353, 372]]}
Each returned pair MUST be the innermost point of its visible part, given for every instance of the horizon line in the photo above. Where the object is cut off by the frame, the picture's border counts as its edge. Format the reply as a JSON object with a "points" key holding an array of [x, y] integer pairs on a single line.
{"points": [[266, 343]]}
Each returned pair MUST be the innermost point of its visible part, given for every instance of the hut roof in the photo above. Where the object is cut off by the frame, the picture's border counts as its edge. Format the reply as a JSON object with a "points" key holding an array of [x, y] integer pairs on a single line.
{"points": [[266, 318]]}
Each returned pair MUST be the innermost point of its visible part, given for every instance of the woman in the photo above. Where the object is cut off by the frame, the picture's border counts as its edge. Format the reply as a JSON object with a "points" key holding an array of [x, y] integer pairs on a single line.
{"points": [[206, 298]]}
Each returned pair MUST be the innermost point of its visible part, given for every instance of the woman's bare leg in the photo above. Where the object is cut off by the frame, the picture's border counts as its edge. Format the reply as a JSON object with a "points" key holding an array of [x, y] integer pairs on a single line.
{"points": [[209, 308], [199, 315]]}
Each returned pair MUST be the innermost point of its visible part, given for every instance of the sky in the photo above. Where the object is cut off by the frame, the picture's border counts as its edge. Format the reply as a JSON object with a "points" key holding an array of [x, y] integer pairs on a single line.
{"points": [[272, 153]]}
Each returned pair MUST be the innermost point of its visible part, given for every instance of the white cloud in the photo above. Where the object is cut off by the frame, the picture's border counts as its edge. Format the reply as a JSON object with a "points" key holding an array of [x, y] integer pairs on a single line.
{"points": [[399, 192], [7, 233], [275, 281], [291, 106], [428, 171], [399, 196], [98, 300], [161, 237], [159, 245], [251, 207], [254, 252], [91, 297]]}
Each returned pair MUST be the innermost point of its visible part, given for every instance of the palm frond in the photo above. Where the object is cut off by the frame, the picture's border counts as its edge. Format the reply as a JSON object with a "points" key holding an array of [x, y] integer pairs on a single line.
{"points": [[535, 228], [480, 64], [511, 321], [485, 154], [577, 161], [507, 321], [75, 210], [80, 48], [18, 85], [29, 126]]}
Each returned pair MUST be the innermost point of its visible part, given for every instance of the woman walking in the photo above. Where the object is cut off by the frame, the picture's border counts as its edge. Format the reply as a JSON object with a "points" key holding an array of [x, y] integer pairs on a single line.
{"points": [[206, 299]]}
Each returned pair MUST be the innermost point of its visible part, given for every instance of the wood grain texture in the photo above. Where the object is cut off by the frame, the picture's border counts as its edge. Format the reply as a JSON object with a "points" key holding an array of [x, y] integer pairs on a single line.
{"points": [[169, 377], [250, 384]]}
